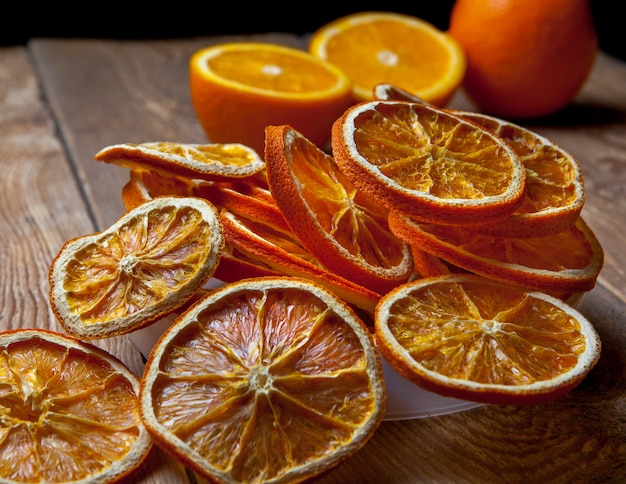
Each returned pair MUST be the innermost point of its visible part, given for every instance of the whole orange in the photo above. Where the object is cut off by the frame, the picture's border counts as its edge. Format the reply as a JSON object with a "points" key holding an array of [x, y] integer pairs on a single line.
{"points": [[525, 58]]}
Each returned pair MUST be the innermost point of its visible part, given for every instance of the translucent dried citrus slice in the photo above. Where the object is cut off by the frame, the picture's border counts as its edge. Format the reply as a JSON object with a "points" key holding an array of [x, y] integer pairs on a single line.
{"points": [[205, 161], [428, 163], [468, 337], [238, 88], [144, 266], [265, 380], [343, 228], [70, 411], [257, 233], [567, 262], [555, 192], [374, 47]]}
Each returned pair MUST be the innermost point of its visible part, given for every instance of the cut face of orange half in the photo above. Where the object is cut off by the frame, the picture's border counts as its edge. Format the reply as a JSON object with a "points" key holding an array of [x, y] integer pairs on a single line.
{"points": [[239, 88], [265, 380], [70, 411], [144, 266], [428, 163], [344, 229], [567, 262], [209, 161], [468, 337], [375, 47]]}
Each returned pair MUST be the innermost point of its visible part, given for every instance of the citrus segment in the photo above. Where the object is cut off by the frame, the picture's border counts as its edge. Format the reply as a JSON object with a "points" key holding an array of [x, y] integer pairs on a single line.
{"points": [[265, 380], [467, 337], [373, 47], [345, 230], [428, 163], [209, 161], [567, 262], [144, 266], [70, 411], [239, 88]]}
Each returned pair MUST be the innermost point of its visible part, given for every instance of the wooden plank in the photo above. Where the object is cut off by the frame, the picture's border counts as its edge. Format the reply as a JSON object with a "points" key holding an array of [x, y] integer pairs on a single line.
{"points": [[106, 92], [41, 207]]}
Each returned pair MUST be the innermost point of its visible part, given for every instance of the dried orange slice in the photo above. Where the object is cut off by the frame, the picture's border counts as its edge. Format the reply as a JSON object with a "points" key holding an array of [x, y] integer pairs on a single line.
{"points": [[216, 161], [374, 47], [144, 266], [468, 337], [144, 185], [265, 380], [257, 233], [70, 411], [555, 192], [428, 163], [239, 88], [343, 228], [567, 262]]}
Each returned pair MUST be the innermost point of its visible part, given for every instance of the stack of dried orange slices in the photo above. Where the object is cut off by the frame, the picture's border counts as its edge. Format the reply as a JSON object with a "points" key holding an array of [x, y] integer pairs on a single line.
{"points": [[438, 239]]}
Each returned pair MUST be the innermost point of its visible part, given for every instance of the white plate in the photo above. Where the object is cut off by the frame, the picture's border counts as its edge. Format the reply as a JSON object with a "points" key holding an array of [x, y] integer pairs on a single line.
{"points": [[405, 400]]}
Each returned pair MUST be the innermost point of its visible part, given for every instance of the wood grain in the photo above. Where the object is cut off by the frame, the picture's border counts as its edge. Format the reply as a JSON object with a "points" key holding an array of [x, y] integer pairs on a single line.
{"points": [[79, 96]]}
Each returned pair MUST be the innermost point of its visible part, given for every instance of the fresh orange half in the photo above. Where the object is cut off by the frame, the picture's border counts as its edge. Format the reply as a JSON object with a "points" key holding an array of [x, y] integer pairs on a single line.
{"points": [[144, 266], [375, 47], [239, 88], [428, 163], [343, 228], [70, 411], [215, 161], [265, 380], [567, 262], [468, 337]]}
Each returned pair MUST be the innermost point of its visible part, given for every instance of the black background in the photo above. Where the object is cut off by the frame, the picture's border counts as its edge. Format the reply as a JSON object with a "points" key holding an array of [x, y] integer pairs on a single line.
{"points": [[176, 19]]}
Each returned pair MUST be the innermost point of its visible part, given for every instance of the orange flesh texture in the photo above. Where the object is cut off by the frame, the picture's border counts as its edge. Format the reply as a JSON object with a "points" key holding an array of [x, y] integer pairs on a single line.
{"points": [[252, 89], [567, 262], [424, 57], [324, 209], [429, 163], [274, 365], [67, 415], [488, 334], [120, 273]]}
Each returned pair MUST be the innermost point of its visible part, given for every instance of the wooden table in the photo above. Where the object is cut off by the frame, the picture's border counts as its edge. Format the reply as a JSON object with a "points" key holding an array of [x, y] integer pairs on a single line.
{"points": [[61, 101]]}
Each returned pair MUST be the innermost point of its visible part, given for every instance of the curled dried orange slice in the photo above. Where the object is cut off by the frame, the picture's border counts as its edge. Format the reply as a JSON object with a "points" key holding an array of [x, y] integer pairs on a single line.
{"points": [[256, 232], [70, 411], [144, 266], [567, 262], [428, 163], [216, 161], [264, 380], [468, 337], [342, 227]]}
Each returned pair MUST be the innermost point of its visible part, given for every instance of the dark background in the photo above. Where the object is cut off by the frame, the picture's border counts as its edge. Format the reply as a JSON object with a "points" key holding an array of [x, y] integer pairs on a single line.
{"points": [[174, 19]]}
